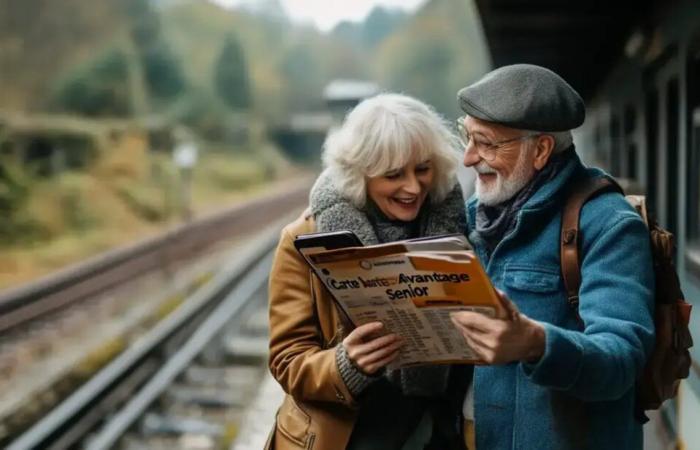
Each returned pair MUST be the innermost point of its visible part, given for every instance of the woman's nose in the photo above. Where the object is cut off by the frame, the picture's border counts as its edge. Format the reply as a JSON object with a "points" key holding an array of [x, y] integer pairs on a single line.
{"points": [[412, 186]]}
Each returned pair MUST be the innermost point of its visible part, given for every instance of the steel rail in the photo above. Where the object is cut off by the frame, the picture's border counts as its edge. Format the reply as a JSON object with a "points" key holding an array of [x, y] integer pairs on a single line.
{"points": [[77, 414], [120, 422], [108, 270]]}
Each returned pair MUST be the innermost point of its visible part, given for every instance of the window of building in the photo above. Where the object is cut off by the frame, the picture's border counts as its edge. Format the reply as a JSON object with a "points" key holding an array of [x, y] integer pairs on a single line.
{"points": [[629, 125], [632, 161], [652, 157], [671, 175], [615, 150], [693, 168], [692, 209]]}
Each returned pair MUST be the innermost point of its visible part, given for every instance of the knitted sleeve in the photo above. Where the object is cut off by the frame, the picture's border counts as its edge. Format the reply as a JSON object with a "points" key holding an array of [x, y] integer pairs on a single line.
{"points": [[355, 380]]}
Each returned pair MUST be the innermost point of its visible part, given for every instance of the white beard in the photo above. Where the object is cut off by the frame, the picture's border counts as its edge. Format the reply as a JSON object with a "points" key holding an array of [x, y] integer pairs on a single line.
{"points": [[504, 188]]}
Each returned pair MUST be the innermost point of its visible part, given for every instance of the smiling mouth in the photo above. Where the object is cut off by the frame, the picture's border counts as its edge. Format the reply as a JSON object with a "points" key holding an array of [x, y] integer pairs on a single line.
{"points": [[405, 202]]}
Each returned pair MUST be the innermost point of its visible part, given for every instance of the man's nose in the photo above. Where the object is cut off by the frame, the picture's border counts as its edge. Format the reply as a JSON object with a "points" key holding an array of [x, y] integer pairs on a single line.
{"points": [[471, 156]]}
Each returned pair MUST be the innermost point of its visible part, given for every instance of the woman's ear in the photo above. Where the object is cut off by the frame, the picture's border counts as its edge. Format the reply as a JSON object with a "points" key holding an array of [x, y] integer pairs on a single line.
{"points": [[543, 150]]}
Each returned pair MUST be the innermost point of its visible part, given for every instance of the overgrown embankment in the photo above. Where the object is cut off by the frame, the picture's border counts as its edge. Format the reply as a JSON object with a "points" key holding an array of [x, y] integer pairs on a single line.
{"points": [[49, 222]]}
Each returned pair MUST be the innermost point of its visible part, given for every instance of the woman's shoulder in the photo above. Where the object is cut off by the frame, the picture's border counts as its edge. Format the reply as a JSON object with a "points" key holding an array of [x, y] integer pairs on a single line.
{"points": [[301, 225]]}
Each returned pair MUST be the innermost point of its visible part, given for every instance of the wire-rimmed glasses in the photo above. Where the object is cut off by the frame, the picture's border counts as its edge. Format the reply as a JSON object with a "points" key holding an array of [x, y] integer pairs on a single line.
{"points": [[486, 150]]}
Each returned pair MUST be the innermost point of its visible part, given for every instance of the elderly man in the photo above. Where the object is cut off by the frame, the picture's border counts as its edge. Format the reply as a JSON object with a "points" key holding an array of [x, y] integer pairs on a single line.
{"points": [[554, 380]]}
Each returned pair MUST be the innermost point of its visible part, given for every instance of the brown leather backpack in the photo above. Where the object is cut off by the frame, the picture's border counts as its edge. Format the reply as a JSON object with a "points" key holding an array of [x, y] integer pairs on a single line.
{"points": [[670, 360]]}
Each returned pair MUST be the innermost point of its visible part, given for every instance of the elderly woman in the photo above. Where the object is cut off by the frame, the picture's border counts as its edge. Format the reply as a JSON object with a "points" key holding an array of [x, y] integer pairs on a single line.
{"points": [[390, 175]]}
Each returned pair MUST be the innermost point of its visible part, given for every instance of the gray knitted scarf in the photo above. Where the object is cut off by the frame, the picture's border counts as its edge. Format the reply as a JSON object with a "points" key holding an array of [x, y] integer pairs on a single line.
{"points": [[334, 212]]}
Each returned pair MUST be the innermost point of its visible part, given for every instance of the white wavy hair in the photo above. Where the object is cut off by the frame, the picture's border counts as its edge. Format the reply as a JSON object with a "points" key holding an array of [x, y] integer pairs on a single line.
{"points": [[384, 133], [562, 139]]}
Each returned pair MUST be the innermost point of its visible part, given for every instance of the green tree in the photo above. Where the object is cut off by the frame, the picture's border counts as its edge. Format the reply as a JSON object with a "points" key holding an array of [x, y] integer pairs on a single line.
{"points": [[231, 75], [162, 72], [15, 189], [303, 71], [434, 54], [98, 88], [145, 25], [41, 41], [379, 24], [424, 71]]}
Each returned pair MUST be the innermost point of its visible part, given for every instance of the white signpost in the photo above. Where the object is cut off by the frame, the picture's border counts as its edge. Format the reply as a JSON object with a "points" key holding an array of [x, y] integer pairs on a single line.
{"points": [[185, 158]]}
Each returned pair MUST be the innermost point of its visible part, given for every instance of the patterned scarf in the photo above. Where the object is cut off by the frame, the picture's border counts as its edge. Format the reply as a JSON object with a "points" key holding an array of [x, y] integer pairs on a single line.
{"points": [[494, 222]]}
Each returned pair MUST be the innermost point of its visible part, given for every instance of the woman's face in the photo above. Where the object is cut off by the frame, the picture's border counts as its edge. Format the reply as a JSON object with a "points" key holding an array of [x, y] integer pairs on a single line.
{"points": [[400, 193]]}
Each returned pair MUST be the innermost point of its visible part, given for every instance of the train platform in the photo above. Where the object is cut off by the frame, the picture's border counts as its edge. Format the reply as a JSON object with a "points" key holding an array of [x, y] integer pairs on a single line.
{"points": [[260, 416]]}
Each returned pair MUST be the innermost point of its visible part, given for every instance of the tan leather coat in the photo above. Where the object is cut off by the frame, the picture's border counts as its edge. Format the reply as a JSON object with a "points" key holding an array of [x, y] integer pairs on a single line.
{"points": [[318, 411]]}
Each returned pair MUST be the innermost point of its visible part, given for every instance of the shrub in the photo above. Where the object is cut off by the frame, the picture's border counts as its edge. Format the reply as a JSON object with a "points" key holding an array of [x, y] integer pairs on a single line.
{"points": [[99, 88]]}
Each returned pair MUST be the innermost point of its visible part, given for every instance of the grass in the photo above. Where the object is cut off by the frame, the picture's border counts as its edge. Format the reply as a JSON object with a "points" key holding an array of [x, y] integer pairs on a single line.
{"points": [[121, 200]]}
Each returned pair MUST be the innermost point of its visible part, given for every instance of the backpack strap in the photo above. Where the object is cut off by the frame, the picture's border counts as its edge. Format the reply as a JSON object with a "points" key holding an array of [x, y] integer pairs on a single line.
{"points": [[580, 192]]}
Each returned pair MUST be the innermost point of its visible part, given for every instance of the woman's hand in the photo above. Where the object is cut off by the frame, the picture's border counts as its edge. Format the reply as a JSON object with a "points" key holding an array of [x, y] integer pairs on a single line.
{"points": [[370, 351]]}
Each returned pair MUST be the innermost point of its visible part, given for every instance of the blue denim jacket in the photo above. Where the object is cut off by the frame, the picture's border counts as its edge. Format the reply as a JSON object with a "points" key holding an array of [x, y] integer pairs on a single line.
{"points": [[580, 394]]}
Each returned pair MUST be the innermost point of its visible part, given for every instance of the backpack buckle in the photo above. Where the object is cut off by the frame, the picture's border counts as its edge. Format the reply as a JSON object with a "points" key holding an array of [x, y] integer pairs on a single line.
{"points": [[573, 301]]}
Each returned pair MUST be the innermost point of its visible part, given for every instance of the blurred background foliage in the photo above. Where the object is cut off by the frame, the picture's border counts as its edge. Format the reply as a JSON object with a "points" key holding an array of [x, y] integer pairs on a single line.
{"points": [[127, 74], [122, 58]]}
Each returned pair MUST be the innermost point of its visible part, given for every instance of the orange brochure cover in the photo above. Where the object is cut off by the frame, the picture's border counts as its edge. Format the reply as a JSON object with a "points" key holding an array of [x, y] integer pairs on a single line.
{"points": [[412, 287]]}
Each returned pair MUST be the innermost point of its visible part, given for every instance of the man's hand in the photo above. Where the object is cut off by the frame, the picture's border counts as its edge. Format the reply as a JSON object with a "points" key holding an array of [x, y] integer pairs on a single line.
{"points": [[500, 341], [369, 350]]}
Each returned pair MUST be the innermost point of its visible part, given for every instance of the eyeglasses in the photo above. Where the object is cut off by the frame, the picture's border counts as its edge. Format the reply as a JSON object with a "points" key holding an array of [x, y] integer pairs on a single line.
{"points": [[486, 150]]}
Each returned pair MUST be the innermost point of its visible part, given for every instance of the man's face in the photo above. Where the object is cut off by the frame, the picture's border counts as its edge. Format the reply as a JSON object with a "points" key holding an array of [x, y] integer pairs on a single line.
{"points": [[502, 170]]}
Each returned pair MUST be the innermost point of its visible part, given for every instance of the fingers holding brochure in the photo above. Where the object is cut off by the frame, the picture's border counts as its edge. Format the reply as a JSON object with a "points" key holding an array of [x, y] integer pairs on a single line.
{"points": [[509, 306], [501, 340], [369, 350]]}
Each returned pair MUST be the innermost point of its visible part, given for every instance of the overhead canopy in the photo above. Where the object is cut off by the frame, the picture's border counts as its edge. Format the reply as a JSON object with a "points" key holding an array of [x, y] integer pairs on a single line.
{"points": [[578, 39]]}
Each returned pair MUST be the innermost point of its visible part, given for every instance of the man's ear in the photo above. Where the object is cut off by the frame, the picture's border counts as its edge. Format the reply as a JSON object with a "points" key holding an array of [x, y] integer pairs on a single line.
{"points": [[543, 150]]}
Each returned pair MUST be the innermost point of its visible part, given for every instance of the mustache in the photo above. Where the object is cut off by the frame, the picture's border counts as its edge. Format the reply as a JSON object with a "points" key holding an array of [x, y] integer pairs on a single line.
{"points": [[483, 168]]}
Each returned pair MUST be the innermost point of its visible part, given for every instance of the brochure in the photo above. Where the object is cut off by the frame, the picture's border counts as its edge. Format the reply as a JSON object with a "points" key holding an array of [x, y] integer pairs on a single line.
{"points": [[410, 286]]}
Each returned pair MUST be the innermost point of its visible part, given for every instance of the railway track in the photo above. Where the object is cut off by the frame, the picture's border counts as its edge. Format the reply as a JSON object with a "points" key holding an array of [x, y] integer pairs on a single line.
{"points": [[163, 253], [90, 293], [182, 385]]}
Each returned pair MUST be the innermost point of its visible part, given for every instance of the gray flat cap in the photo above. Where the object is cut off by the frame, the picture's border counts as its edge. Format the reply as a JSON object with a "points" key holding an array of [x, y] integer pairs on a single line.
{"points": [[526, 97]]}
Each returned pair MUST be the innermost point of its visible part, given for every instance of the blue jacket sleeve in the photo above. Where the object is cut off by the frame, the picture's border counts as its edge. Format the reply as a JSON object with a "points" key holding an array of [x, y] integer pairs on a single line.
{"points": [[603, 361]]}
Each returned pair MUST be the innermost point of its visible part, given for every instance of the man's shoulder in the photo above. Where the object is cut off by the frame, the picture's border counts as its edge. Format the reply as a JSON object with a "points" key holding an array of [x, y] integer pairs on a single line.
{"points": [[604, 212]]}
